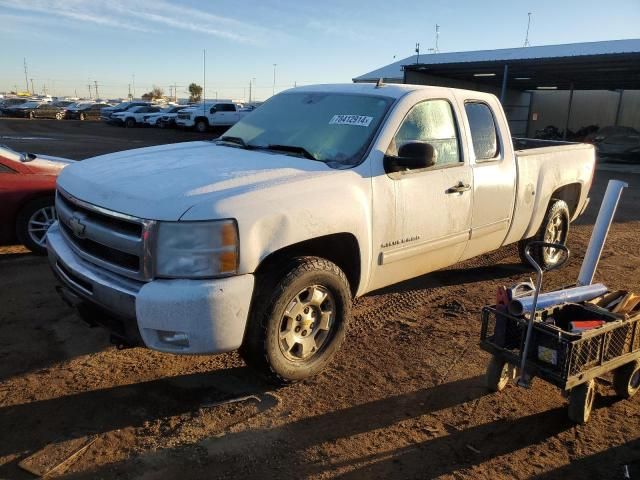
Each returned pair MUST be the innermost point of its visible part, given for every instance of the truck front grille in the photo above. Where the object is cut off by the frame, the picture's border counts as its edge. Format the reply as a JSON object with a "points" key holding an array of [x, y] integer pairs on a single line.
{"points": [[112, 240]]}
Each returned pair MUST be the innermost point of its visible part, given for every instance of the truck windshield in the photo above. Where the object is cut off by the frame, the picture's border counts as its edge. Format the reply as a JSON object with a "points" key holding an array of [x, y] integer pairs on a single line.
{"points": [[335, 128]]}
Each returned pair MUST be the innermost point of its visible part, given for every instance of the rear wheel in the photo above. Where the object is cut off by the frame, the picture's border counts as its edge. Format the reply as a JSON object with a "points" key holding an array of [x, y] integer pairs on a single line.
{"points": [[82, 117], [59, 116], [31, 116], [626, 379], [554, 229], [299, 319], [32, 224], [130, 122], [581, 402]]}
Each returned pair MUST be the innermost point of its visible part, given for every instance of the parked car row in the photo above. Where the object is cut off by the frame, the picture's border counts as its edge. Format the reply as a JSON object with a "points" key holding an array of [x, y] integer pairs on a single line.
{"points": [[202, 116], [82, 110]]}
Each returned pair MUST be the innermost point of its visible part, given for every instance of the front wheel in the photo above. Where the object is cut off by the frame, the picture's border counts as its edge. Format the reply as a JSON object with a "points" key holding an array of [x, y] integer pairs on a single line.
{"points": [[31, 116], [554, 229], [202, 126], [59, 116], [299, 319], [581, 402], [129, 123], [498, 374], [82, 117]]}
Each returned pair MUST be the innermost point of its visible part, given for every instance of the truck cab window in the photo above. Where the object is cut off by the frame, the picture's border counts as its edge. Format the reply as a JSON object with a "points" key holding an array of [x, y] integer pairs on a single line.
{"points": [[483, 131], [431, 122]]}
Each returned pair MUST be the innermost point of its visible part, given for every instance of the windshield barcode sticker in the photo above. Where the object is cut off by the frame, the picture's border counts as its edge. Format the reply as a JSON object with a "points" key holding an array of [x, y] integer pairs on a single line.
{"points": [[359, 120]]}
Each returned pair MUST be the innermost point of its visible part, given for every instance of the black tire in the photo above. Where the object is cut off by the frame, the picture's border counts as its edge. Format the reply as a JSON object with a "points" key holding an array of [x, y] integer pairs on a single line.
{"points": [[81, 117], [161, 124], [22, 224], [201, 125], [626, 379], [130, 122], [558, 211], [279, 293], [581, 402], [31, 116], [498, 374]]}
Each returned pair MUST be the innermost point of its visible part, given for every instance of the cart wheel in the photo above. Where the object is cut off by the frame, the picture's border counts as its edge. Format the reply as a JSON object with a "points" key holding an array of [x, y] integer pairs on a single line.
{"points": [[626, 379], [581, 401], [498, 374]]}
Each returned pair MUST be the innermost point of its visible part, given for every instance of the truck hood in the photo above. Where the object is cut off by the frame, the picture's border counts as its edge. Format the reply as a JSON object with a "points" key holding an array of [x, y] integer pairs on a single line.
{"points": [[162, 183]]}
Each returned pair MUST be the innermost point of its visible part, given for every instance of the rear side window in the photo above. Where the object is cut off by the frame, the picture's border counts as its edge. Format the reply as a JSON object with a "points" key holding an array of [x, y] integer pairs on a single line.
{"points": [[226, 107], [483, 131]]}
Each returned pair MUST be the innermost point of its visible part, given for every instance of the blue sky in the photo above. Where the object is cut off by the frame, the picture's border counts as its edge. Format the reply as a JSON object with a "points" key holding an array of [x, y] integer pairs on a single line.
{"points": [[69, 43]]}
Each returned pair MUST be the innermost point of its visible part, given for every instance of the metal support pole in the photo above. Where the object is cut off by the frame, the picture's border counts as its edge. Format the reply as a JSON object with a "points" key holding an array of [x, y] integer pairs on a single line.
{"points": [[620, 94], [600, 231], [566, 123], [503, 94]]}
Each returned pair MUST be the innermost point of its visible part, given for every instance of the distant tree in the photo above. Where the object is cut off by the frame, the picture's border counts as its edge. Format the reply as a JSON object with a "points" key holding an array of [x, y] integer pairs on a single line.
{"points": [[156, 93], [195, 92]]}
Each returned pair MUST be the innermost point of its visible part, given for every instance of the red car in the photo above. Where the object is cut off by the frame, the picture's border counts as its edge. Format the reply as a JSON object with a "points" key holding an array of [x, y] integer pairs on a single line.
{"points": [[27, 191]]}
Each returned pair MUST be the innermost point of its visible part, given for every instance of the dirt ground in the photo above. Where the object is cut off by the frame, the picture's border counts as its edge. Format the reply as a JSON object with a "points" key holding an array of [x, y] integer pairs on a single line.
{"points": [[403, 399]]}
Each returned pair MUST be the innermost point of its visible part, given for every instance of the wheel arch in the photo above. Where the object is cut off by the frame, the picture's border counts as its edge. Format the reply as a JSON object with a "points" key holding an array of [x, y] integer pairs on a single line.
{"points": [[570, 194], [342, 249]]}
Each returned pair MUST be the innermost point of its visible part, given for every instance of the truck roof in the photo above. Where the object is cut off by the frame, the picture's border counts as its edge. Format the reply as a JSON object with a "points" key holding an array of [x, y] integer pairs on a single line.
{"points": [[391, 90]]}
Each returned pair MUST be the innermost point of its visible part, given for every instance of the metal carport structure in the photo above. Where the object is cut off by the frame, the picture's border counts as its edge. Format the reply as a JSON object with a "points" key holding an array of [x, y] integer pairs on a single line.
{"points": [[607, 65]]}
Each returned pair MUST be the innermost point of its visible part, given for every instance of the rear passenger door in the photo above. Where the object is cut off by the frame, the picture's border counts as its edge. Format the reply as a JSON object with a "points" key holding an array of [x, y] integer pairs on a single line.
{"points": [[494, 176]]}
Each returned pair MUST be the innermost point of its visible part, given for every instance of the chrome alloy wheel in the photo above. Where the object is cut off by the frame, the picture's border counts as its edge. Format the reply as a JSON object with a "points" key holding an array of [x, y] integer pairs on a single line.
{"points": [[39, 223], [554, 234], [306, 323]]}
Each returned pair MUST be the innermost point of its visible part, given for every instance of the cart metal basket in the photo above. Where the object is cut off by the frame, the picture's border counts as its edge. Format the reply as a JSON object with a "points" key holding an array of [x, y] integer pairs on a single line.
{"points": [[560, 357]]}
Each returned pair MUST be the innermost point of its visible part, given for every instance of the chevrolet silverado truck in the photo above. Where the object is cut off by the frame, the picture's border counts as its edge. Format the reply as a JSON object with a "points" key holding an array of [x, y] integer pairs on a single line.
{"points": [[216, 114], [260, 239]]}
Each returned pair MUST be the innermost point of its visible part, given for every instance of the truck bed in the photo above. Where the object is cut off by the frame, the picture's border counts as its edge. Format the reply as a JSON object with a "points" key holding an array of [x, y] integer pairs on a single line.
{"points": [[543, 166]]}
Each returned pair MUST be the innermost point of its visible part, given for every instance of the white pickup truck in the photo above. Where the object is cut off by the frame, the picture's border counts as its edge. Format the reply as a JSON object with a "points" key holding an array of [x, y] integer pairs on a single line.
{"points": [[216, 114], [259, 240]]}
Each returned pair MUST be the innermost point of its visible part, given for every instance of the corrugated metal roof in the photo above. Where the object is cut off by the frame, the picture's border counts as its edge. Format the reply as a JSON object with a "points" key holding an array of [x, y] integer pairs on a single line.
{"points": [[394, 71]]}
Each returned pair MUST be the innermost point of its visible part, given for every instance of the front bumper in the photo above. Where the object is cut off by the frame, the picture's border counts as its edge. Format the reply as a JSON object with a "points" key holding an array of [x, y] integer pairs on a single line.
{"points": [[176, 316], [185, 122]]}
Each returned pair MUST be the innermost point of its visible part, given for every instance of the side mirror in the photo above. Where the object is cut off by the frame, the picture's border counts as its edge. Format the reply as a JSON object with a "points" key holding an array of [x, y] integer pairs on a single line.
{"points": [[411, 156]]}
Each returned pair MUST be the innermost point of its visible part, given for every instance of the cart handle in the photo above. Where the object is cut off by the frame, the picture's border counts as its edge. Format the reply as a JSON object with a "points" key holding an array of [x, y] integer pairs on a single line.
{"points": [[524, 378]]}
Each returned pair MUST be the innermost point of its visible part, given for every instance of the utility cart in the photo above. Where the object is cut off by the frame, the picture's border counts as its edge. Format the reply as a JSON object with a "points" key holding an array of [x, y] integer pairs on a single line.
{"points": [[568, 337], [570, 361]]}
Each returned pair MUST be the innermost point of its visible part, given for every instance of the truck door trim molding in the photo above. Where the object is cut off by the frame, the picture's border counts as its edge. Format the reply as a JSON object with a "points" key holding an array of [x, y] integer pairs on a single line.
{"points": [[490, 228], [407, 251]]}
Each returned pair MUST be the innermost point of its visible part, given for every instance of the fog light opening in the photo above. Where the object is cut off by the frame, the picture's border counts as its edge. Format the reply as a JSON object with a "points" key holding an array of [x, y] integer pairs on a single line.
{"points": [[176, 339]]}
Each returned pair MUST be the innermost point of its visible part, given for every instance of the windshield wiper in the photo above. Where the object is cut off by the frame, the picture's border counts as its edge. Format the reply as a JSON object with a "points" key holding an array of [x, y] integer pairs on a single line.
{"points": [[235, 140], [293, 149]]}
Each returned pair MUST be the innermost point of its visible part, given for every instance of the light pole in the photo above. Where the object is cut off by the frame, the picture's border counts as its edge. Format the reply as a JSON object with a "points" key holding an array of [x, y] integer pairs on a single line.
{"points": [[274, 79]]}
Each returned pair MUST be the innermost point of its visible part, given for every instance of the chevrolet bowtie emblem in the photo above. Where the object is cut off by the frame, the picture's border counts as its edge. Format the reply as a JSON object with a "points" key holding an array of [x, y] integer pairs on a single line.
{"points": [[76, 226]]}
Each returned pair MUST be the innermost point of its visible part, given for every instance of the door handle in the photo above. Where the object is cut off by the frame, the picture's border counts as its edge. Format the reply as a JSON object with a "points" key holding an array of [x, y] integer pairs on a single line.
{"points": [[459, 188]]}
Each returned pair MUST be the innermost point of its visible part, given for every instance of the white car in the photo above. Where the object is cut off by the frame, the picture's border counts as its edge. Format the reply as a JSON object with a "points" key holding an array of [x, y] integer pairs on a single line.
{"points": [[216, 114], [134, 116], [165, 117], [260, 240]]}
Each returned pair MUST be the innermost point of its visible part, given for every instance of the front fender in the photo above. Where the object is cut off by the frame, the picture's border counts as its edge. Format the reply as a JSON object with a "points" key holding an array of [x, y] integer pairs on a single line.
{"points": [[281, 215]]}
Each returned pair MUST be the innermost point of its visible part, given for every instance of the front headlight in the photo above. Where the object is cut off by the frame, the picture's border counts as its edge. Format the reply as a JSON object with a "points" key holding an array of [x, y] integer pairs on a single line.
{"points": [[197, 249]]}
